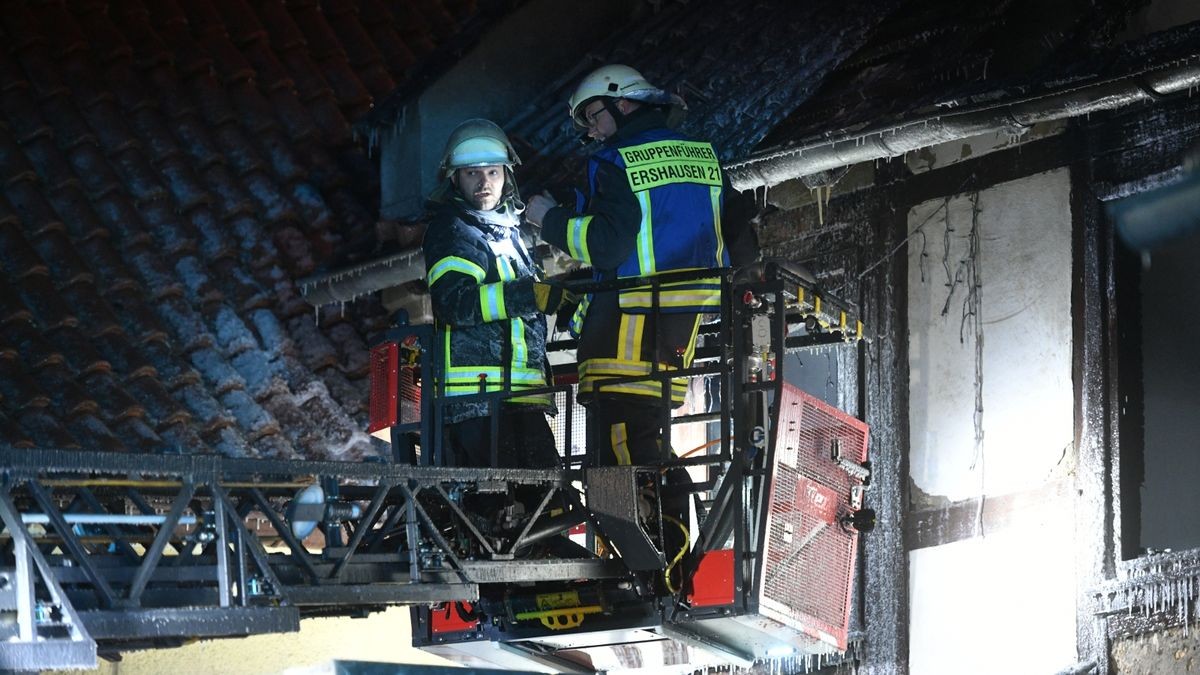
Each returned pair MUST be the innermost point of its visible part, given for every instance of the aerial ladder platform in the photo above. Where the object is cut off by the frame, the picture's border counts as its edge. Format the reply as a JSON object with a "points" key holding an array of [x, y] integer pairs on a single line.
{"points": [[102, 553]]}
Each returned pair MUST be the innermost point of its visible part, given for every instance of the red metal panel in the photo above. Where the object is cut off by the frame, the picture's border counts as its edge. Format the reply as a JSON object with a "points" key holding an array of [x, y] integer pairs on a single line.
{"points": [[395, 386], [385, 371], [447, 619], [809, 556], [712, 584]]}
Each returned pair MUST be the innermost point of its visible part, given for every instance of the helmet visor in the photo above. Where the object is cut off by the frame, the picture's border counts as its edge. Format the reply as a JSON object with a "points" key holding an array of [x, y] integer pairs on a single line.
{"points": [[478, 152]]}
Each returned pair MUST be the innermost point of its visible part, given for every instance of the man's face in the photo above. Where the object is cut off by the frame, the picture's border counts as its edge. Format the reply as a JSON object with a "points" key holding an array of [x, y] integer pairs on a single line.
{"points": [[600, 122], [481, 186]]}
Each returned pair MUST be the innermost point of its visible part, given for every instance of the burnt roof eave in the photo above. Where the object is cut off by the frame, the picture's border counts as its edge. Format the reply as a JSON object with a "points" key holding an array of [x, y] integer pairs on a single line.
{"points": [[349, 283], [776, 165]]}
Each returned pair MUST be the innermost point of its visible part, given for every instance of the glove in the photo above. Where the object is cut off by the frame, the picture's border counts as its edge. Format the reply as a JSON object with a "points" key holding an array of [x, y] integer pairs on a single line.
{"points": [[551, 297]]}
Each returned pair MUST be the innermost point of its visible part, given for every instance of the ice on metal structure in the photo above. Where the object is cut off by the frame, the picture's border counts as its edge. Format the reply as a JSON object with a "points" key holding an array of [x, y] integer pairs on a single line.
{"points": [[1161, 585]]}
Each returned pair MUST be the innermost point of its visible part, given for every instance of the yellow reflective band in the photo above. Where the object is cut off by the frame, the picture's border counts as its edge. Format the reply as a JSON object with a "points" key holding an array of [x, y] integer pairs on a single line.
{"points": [[465, 380], [629, 336], [817, 304], [456, 264], [652, 389], [645, 238], [505, 268], [577, 241], [539, 399], [618, 436], [665, 162], [699, 296], [528, 377], [647, 389], [491, 302], [467, 390], [671, 299], [714, 193], [639, 331], [593, 374], [842, 325], [520, 350], [617, 367], [576, 324], [691, 348]]}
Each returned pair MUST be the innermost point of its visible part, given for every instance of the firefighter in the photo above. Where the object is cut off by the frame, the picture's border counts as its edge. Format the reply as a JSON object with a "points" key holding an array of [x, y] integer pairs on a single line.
{"points": [[653, 204], [489, 303]]}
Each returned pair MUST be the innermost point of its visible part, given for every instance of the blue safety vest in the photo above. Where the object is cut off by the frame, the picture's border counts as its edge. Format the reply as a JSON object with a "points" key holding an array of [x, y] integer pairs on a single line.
{"points": [[678, 184]]}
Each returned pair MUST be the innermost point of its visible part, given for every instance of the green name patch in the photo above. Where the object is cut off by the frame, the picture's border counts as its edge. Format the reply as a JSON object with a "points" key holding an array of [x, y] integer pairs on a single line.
{"points": [[665, 162]]}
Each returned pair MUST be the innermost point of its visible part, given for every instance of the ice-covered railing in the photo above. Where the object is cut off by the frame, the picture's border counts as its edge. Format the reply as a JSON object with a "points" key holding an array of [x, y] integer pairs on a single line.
{"points": [[348, 283], [1153, 592]]}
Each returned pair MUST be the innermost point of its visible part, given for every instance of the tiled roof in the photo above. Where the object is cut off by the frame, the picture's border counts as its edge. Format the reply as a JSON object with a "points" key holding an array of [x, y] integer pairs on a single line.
{"points": [[742, 67], [770, 72], [167, 168]]}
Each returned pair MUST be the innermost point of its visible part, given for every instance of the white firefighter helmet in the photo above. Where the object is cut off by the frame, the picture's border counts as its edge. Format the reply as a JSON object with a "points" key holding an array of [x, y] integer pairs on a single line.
{"points": [[617, 81], [477, 142]]}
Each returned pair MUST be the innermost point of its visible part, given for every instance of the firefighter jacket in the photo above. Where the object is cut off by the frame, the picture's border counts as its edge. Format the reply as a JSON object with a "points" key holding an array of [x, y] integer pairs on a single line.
{"points": [[653, 204], [480, 278]]}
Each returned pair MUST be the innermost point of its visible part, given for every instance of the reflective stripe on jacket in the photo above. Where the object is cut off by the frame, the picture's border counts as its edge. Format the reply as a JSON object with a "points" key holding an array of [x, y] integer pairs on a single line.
{"points": [[653, 205], [678, 185], [480, 284]]}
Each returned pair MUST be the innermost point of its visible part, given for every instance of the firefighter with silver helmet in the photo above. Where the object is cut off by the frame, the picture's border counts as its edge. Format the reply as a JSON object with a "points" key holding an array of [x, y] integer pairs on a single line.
{"points": [[654, 203], [489, 302]]}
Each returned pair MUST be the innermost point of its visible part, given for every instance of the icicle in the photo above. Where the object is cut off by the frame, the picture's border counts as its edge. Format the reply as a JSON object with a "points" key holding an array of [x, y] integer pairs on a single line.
{"points": [[317, 314]]}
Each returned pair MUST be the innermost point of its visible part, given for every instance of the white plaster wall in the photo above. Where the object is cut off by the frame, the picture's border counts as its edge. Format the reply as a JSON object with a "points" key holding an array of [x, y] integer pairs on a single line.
{"points": [[996, 605], [977, 605], [1025, 268]]}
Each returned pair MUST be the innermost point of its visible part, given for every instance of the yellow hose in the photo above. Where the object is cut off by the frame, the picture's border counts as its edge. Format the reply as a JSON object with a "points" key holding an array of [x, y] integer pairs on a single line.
{"points": [[678, 556]]}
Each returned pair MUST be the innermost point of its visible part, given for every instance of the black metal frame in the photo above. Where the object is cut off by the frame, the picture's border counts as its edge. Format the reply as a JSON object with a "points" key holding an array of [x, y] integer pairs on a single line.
{"points": [[155, 549], [741, 479]]}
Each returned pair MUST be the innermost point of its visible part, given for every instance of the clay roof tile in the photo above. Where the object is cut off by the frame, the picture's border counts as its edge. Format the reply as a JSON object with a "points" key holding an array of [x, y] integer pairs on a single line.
{"points": [[185, 187], [65, 263], [182, 437], [21, 334], [322, 42], [154, 215], [94, 435], [228, 194], [134, 22], [138, 435], [11, 432], [20, 111], [379, 24], [45, 429], [17, 257], [49, 162], [269, 72], [92, 23], [94, 172]]}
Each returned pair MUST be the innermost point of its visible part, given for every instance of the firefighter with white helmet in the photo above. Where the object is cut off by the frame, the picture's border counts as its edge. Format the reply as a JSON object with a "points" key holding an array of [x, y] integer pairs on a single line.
{"points": [[489, 302], [612, 83], [654, 204]]}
